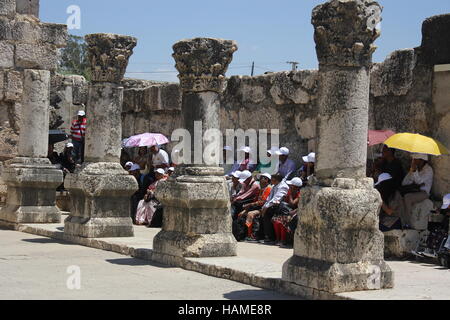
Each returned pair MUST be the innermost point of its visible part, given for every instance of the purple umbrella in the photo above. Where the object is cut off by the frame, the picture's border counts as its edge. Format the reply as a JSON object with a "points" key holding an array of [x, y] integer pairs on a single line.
{"points": [[145, 140]]}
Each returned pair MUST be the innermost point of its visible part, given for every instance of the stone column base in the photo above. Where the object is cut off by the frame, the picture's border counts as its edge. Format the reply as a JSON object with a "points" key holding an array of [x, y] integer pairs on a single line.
{"points": [[197, 220], [100, 201], [338, 246], [32, 184]]}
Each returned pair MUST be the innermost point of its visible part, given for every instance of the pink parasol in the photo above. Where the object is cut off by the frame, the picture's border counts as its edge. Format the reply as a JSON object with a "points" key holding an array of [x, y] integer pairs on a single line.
{"points": [[379, 136], [145, 140]]}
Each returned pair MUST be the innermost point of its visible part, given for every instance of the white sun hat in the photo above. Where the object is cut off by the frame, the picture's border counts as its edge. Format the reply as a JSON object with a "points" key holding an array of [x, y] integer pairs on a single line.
{"points": [[69, 145], [244, 176], [383, 177], [81, 113], [420, 156], [283, 152], [171, 169], [160, 171], [129, 164], [135, 167], [236, 174], [310, 158], [295, 182], [446, 201], [267, 175]]}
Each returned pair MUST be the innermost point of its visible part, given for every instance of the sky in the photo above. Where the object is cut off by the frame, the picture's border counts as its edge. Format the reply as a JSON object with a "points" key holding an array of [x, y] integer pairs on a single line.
{"points": [[268, 33]]}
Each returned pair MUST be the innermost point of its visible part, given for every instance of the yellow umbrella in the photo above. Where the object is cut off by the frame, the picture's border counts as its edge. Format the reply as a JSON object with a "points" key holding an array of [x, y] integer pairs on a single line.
{"points": [[416, 143]]}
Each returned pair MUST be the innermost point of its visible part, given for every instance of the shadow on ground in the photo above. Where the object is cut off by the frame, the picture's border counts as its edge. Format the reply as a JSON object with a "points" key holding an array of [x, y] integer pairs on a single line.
{"points": [[48, 240], [256, 295], [136, 262]]}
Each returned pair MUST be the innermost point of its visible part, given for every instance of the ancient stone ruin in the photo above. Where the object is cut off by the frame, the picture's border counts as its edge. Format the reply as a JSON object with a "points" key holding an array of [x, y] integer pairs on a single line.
{"points": [[28, 56], [338, 246], [100, 190], [197, 220]]}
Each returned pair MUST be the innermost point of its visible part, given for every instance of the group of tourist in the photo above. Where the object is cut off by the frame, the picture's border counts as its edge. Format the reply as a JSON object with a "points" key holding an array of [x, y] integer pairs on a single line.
{"points": [[265, 211], [400, 191], [150, 166]]}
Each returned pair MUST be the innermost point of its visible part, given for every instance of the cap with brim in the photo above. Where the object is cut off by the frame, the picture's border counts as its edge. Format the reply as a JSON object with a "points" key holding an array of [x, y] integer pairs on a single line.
{"points": [[267, 175], [244, 176], [160, 171], [420, 156], [283, 152], [69, 145], [312, 157], [171, 169], [129, 164], [81, 113], [383, 177], [446, 203], [297, 182], [236, 174], [135, 167]]}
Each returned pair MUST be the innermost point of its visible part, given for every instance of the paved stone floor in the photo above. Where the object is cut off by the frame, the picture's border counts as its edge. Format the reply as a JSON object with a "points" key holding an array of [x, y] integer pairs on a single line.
{"points": [[34, 267], [413, 280]]}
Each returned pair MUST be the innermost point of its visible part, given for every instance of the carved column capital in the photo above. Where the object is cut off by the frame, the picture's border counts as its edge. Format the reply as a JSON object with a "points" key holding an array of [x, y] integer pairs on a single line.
{"points": [[202, 63], [108, 55], [345, 31]]}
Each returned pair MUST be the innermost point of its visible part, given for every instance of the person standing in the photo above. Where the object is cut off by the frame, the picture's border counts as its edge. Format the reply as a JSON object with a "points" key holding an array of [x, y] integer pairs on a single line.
{"points": [[77, 134]]}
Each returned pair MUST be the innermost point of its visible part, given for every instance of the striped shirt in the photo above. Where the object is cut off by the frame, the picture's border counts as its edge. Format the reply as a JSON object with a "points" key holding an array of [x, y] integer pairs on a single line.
{"points": [[78, 129]]}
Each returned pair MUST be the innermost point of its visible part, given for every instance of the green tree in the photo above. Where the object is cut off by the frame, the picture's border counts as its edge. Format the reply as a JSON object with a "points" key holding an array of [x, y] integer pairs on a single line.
{"points": [[73, 59]]}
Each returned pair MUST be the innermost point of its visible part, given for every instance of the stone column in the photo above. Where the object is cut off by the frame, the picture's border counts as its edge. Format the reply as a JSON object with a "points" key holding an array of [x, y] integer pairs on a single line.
{"points": [[101, 189], [197, 220], [338, 246], [31, 178]]}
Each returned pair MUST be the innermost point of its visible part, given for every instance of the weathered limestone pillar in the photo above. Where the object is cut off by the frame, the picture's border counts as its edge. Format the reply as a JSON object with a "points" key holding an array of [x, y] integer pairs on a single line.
{"points": [[100, 190], [197, 220], [338, 246], [31, 178]]}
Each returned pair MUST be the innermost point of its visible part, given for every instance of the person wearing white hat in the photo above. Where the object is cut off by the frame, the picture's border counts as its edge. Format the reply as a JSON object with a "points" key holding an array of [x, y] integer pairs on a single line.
{"points": [[245, 219], [267, 167], [234, 186], [128, 165], [249, 193], [247, 163], [391, 208], [77, 135], [307, 170], [170, 171], [285, 165], [418, 183], [66, 159], [286, 213], [149, 211]]}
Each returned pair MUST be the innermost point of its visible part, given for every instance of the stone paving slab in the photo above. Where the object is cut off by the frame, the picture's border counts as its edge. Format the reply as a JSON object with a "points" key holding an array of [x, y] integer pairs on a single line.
{"points": [[261, 266]]}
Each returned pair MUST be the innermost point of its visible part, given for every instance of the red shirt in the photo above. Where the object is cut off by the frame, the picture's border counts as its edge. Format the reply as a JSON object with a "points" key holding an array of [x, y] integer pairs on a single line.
{"points": [[78, 129]]}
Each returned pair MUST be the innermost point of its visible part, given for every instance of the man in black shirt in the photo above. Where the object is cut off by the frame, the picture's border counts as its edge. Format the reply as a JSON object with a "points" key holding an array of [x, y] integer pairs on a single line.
{"points": [[393, 166]]}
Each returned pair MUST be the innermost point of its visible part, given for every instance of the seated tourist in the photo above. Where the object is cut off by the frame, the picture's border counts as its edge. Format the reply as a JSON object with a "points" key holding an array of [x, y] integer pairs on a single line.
{"points": [[142, 159], [416, 186], [144, 182], [234, 186], [267, 167], [243, 225], [159, 159], [307, 170], [149, 210], [52, 155], [278, 192], [390, 164], [247, 163], [285, 166], [248, 193], [170, 171], [287, 212], [390, 212]]}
